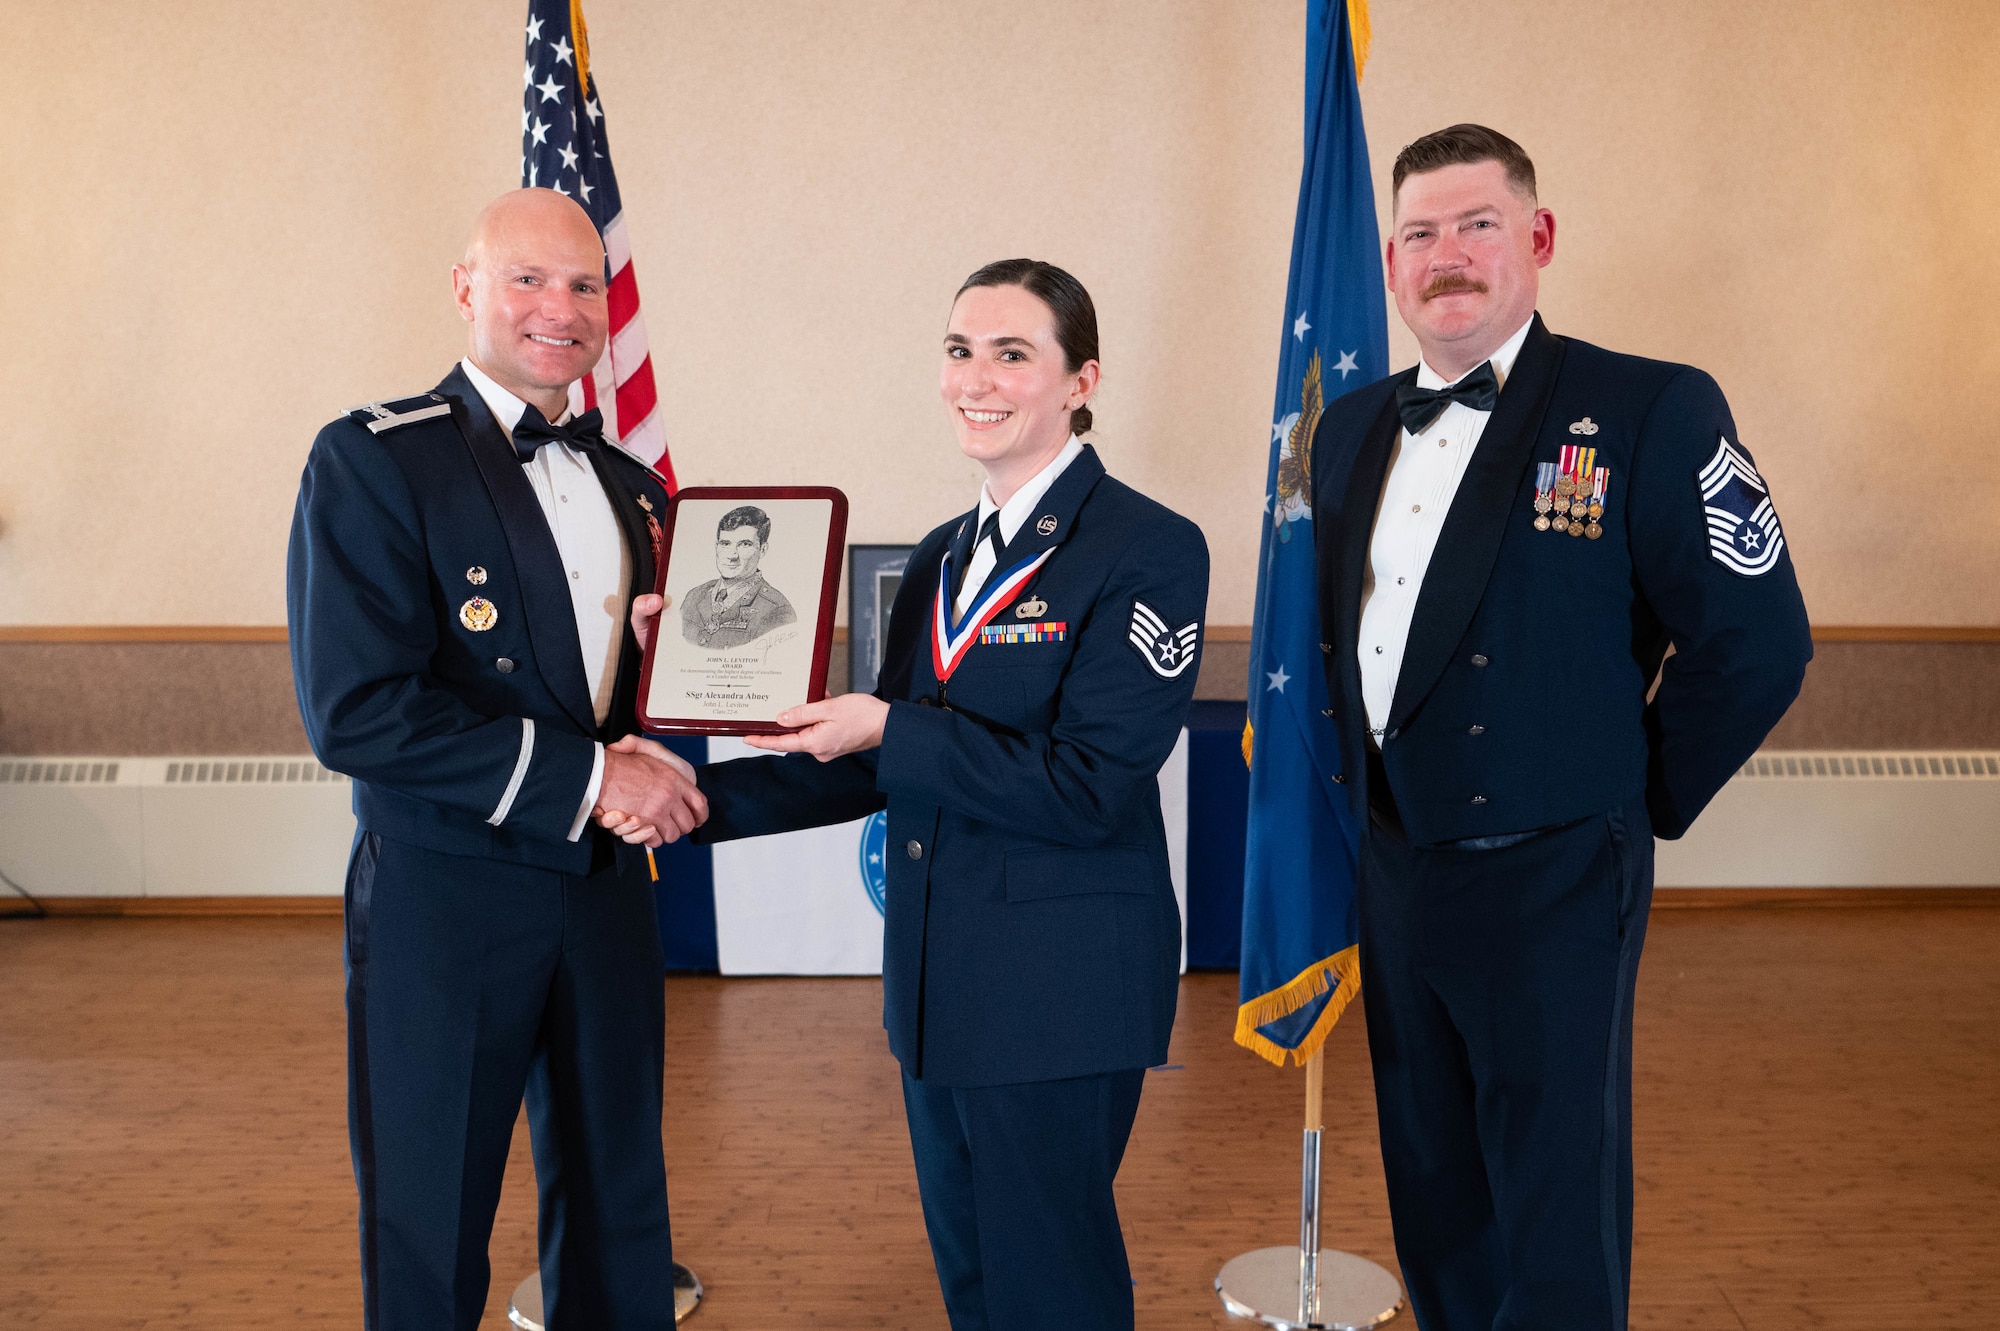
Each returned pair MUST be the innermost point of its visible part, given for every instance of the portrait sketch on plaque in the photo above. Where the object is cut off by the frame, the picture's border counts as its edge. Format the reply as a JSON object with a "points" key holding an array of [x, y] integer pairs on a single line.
{"points": [[739, 605], [750, 625]]}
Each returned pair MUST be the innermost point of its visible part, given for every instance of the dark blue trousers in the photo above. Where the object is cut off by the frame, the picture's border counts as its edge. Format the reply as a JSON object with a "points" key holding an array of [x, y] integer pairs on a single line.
{"points": [[1016, 1186], [471, 983], [1499, 998]]}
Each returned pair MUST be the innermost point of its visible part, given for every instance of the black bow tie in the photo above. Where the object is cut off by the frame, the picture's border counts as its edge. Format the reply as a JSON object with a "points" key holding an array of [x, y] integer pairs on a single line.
{"points": [[1420, 406], [533, 430]]}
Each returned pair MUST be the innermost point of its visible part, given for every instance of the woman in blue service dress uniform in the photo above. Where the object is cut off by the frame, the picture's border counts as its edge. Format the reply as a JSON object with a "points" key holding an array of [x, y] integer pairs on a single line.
{"points": [[1040, 658]]}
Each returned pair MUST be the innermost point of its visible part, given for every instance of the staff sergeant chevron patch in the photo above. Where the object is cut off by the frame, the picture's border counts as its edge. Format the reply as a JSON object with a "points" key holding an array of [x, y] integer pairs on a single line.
{"points": [[1167, 651], [1743, 532]]}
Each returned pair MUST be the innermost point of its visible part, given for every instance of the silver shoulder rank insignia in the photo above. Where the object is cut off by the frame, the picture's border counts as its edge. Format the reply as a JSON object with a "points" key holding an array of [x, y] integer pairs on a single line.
{"points": [[400, 411], [1584, 426], [1032, 608], [1743, 532], [1167, 651]]}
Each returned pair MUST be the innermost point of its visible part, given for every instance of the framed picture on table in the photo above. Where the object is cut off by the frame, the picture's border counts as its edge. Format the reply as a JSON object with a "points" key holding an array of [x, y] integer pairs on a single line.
{"points": [[874, 575], [754, 575]]}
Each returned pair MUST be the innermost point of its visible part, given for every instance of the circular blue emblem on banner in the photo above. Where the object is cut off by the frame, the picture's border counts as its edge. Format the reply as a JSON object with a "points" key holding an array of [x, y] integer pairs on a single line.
{"points": [[875, 868]]}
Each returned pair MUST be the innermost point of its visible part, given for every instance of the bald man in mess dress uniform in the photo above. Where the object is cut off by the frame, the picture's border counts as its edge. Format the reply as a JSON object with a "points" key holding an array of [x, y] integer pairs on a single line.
{"points": [[459, 570]]}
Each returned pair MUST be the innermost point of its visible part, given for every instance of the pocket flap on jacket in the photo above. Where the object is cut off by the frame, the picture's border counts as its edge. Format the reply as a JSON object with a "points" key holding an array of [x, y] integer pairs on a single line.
{"points": [[1038, 873]]}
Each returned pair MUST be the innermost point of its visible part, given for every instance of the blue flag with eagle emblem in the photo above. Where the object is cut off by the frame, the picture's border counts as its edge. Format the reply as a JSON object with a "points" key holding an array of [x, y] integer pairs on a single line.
{"points": [[1300, 968]]}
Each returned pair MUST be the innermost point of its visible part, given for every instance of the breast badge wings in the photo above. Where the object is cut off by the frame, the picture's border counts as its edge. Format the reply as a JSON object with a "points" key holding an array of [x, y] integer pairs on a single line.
{"points": [[1167, 651], [1743, 532]]}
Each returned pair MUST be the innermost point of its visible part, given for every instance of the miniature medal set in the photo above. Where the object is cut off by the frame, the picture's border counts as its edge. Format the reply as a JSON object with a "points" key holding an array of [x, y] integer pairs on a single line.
{"points": [[1569, 494]]}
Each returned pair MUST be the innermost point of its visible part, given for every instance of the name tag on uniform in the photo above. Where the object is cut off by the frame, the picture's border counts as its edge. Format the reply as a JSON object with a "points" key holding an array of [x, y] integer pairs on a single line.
{"points": [[1053, 631]]}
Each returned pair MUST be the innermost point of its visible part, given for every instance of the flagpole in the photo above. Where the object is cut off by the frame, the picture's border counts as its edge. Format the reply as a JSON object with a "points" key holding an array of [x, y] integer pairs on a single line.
{"points": [[1309, 1191], [524, 1309], [1310, 1288]]}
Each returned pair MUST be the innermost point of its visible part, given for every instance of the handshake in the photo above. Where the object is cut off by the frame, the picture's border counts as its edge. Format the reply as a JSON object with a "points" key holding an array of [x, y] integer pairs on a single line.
{"points": [[649, 794]]}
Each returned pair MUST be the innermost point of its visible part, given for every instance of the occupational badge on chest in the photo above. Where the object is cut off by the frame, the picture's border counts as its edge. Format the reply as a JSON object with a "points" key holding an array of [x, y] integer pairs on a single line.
{"points": [[1032, 608], [478, 614], [1569, 494]]}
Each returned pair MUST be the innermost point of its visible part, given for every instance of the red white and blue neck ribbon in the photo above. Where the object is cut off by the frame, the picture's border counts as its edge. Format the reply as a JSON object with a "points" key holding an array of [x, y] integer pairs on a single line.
{"points": [[949, 639]]}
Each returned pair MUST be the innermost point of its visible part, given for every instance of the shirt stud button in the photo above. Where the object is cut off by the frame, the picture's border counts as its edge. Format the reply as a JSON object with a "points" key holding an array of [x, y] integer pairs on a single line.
{"points": [[914, 849], [1416, 508], [574, 575], [1378, 651], [1401, 581], [505, 665]]}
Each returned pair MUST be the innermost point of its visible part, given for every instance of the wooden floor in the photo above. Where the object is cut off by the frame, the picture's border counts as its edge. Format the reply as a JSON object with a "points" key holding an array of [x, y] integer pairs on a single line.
{"points": [[1818, 1109]]}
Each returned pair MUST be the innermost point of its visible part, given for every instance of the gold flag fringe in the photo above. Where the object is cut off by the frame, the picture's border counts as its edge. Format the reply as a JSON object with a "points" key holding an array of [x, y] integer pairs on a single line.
{"points": [[1288, 998], [583, 42], [1357, 25]]}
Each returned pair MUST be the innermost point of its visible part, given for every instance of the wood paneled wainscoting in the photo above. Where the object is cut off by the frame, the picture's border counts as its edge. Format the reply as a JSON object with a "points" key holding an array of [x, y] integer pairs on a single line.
{"points": [[228, 688]]}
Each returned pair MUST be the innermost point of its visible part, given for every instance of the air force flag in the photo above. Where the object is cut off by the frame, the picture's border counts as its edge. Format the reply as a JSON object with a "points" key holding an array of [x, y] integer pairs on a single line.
{"points": [[1743, 532], [1301, 931]]}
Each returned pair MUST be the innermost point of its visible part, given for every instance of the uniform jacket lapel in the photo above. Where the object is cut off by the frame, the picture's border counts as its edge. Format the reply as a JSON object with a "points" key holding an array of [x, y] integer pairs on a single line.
{"points": [[1061, 503], [960, 547], [1357, 517], [623, 497], [544, 592], [631, 521], [1473, 529]]}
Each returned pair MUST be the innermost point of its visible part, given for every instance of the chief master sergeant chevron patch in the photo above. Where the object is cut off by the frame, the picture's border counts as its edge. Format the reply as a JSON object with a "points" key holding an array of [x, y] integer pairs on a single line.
{"points": [[1743, 532]]}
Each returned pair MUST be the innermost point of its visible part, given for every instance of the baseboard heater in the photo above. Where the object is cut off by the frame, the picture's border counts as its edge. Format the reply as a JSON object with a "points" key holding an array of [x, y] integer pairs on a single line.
{"points": [[281, 826], [1846, 819], [174, 827]]}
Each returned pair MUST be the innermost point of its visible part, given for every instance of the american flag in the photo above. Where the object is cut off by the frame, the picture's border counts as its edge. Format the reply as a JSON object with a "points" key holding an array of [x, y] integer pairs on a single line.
{"points": [[563, 148]]}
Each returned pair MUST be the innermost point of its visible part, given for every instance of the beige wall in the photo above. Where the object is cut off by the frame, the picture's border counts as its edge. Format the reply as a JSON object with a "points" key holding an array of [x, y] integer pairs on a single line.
{"points": [[224, 223]]}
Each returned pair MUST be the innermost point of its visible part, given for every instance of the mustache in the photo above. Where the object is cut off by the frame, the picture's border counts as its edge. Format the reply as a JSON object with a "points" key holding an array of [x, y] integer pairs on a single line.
{"points": [[1445, 284]]}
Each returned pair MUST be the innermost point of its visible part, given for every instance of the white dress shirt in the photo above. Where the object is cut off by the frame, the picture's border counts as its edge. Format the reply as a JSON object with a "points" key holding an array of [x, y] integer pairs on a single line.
{"points": [[592, 546], [1424, 474], [1012, 514]]}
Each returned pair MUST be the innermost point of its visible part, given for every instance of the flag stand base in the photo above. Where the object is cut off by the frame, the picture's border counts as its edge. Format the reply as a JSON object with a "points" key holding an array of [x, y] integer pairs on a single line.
{"points": [[525, 1308], [1309, 1288], [1354, 1293]]}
